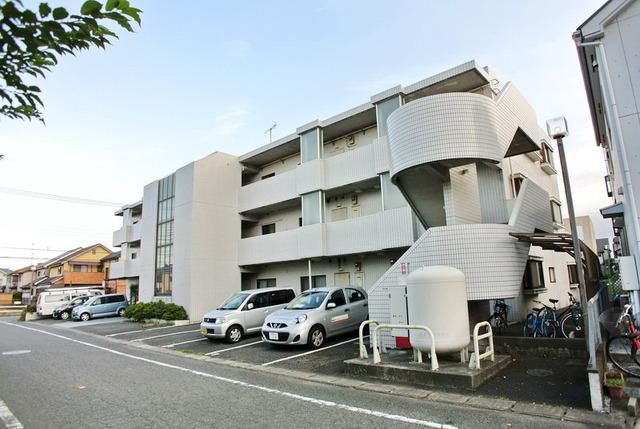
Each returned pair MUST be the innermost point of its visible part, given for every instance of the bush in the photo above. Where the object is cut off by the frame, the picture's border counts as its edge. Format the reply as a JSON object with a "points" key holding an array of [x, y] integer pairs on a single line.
{"points": [[28, 309], [17, 296], [155, 310]]}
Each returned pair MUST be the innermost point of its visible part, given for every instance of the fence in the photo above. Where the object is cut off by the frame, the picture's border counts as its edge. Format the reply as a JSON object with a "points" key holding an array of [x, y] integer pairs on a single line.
{"points": [[595, 307]]}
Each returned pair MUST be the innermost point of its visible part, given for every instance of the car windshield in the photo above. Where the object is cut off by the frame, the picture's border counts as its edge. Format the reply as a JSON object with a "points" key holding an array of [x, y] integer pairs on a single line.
{"points": [[307, 301], [77, 301], [234, 302]]}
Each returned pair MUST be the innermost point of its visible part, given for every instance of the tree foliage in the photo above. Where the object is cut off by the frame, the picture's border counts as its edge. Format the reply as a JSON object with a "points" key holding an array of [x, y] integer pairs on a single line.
{"points": [[32, 41]]}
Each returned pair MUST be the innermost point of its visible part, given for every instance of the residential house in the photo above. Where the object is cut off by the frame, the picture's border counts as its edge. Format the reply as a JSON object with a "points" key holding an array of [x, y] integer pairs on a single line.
{"points": [[5, 279]]}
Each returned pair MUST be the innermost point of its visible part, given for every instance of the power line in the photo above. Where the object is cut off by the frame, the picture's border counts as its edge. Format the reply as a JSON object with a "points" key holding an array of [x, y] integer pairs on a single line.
{"points": [[32, 248], [22, 257], [43, 195]]}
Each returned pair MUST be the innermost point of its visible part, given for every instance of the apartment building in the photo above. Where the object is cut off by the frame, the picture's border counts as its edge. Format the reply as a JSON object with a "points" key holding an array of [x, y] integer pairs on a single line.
{"points": [[361, 199], [122, 268], [608, 44]]}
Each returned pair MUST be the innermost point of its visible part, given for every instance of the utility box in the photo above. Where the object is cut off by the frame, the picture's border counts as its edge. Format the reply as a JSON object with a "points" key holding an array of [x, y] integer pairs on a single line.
{"points": [[628, 273]]}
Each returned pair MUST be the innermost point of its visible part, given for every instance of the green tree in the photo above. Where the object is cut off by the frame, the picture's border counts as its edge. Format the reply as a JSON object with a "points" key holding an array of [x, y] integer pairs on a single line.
{"points": [[31, 43]]}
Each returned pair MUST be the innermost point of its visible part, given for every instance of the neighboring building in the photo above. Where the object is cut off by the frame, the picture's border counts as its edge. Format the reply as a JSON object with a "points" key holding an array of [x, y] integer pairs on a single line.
{"points": [[76, 267], [22, 280], [586, 231], [320, 207], [5, 279], [124, 266], [608, 45], [112, 285]]}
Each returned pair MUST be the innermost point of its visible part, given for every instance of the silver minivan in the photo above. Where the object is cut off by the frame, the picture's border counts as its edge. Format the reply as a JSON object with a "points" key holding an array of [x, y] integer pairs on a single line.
{"points": [[316, 315], [244, 313], [101, 306]]}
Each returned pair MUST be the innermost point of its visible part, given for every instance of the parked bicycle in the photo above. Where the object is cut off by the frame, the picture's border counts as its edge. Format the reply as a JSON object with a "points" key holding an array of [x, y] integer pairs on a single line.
{"points": [[571, 320], [498, 319], [542, 321], [622, 350]]}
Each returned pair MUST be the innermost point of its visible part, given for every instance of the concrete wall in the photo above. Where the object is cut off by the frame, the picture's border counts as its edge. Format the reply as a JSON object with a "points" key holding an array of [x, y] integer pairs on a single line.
{"points": [[360, 138], [148, 243]]}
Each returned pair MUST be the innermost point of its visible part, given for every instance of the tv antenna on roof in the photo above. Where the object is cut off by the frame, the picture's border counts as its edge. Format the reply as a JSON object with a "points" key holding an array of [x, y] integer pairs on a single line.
{"points": [[270, 130]]}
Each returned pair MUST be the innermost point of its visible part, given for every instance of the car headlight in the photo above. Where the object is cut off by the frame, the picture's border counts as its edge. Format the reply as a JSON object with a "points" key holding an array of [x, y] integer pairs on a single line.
{"points": [[301, 319], [220, 320]]}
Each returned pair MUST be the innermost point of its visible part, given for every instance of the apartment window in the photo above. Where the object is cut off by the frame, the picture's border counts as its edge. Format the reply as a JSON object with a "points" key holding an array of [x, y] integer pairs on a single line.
{"points": [[312, 208], [573, 274], [80, 268], [533, 275], [607, 183], [262, 283], [391, 196], [266, 176], [383, 110], [546, 153], [60, 270], [552, 275], [299, 221], [134, 255], [268, 229], [164, 237], [556, 212], [310, 145], [316, 281]]}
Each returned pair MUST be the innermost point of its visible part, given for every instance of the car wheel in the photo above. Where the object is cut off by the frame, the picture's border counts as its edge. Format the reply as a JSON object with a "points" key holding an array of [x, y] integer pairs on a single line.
{"points": [[121, 312], [64, 315], [85, 316], [234, 334], [316, 337]]}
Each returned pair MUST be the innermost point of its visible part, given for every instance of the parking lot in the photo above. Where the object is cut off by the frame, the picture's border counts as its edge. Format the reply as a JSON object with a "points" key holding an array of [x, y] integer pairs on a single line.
{"points": [[251, 349]]}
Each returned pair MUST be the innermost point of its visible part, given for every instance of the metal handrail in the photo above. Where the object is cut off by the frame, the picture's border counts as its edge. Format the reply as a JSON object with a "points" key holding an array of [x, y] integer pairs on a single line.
{"points": [[476, 357], [417, 352], [363, 348]]}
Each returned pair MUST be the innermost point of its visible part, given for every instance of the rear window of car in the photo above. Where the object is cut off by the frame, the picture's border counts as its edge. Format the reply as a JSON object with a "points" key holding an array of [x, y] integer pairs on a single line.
{"points": [[280, 297]]}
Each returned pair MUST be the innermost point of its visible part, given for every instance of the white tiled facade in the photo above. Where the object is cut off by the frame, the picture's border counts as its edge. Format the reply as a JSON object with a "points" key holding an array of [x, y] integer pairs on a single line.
{"points": [[322, 202]]}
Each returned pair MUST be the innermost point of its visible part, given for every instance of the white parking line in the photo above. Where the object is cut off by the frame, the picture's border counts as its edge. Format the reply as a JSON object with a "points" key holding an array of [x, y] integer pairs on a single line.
{"points": [[185, 342], [321, 402], [7, 417], [312, 351], [164, 335], [217, 352], [138, 330]]}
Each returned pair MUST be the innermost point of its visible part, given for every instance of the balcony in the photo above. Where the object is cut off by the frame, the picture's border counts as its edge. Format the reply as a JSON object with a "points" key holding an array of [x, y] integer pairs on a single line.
{"points": [[276, 189], [383, 230], [123, 269], [127, 234]]}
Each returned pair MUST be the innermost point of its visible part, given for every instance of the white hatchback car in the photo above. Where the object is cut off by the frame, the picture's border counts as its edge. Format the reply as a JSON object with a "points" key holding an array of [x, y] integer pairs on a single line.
{"points": [[316, 315]]}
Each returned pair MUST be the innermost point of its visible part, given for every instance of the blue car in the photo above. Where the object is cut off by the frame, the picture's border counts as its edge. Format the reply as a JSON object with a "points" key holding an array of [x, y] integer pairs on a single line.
{"points": [[101, 306]]}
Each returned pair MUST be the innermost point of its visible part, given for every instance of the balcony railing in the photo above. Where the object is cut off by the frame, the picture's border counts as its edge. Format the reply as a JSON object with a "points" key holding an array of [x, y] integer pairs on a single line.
{"points": [[383, 230], [127, 234]]}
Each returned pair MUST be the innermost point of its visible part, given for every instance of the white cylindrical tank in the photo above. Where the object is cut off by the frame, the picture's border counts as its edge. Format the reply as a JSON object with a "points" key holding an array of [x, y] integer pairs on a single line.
{"points": [[437, 299]]}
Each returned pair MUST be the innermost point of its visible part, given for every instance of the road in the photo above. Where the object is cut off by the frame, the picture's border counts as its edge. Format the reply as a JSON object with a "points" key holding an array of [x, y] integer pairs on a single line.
{"points": [[63, 378]]}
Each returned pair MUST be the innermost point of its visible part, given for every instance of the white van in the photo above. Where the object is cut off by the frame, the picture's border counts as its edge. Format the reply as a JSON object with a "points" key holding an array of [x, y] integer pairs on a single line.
{"points": [[50, 299]]}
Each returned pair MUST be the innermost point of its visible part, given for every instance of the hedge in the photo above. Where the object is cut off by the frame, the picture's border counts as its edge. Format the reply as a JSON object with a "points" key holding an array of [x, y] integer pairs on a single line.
{"points": [[155, 310]]}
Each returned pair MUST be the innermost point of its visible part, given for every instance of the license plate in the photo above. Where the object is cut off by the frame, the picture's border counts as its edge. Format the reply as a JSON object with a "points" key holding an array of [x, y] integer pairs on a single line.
{"points": [[273, 336], [203, 331]]}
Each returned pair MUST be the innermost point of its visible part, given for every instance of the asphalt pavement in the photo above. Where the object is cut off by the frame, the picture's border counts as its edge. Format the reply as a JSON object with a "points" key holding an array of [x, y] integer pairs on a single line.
{"points": [[66, 378]]}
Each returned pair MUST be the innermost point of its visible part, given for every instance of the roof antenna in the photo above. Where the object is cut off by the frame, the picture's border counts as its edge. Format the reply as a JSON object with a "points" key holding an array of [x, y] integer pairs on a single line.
{"points": [[271, 128]]}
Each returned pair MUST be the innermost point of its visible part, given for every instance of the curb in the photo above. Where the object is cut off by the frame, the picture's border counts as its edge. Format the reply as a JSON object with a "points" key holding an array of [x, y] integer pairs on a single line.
{"points": [[615, 419]]}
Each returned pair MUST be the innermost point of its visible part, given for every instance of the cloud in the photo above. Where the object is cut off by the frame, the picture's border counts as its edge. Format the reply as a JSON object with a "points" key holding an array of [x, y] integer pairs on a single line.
{"points": [[228, 123]]}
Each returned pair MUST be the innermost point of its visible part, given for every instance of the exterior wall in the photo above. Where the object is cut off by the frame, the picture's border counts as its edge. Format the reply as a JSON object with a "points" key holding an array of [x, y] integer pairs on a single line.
{"points": [[285, 220], [215, 233], [278, 167], [148, 243], [586, 232], [367, 202], [461, 197], [360, 139], [289, 273]]}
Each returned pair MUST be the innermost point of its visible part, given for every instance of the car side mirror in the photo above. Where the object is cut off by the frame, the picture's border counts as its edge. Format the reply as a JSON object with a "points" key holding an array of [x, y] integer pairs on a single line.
{"points": [[331, 305], [250, 306]]}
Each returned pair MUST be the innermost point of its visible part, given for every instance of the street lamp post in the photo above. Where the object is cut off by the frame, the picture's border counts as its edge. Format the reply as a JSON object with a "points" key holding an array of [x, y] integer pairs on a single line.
{"points": [[557, 129]]}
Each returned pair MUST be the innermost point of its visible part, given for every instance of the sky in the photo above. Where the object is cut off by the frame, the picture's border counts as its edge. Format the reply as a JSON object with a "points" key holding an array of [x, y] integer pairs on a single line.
{"points": [[199, 77]]}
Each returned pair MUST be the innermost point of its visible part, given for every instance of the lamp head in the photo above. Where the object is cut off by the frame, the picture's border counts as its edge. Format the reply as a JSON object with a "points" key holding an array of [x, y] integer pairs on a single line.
{"points": [[557, 127]]}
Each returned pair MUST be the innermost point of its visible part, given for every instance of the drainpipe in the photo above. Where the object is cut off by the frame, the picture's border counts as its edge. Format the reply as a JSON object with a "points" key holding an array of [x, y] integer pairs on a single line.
{"points": [[309, 273], [627, 186]]}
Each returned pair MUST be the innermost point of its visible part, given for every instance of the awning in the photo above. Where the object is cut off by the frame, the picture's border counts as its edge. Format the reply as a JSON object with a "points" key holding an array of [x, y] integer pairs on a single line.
{"points": [[613, 211], [555, 242]]}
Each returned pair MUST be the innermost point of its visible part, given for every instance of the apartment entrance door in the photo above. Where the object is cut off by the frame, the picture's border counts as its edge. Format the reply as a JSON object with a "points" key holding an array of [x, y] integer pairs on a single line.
{"points": [[342, 279]]}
